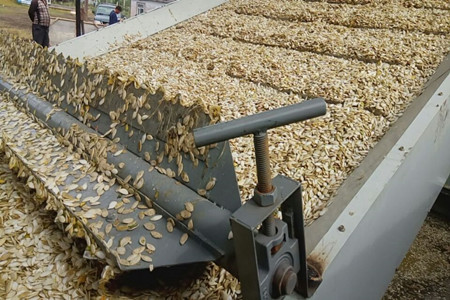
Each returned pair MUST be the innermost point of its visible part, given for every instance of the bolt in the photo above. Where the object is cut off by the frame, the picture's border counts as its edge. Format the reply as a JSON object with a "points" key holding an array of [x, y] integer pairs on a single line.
{"points": [[284, 280], [288, 282]]}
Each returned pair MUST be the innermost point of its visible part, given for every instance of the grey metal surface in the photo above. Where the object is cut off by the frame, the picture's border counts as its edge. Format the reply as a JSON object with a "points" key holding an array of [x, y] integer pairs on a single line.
{"points": [[139, 27], [254, 255], [211, 222], [253, 214], [260, 122], [215, 163], [269, 262], [380, 222], [168, 249]]}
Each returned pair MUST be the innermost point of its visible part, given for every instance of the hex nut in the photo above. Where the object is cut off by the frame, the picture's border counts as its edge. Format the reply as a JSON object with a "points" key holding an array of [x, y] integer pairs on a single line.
{"points": [[266, 199]]}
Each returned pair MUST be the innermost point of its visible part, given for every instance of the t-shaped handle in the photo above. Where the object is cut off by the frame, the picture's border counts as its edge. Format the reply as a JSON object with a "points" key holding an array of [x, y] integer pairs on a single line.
{"points": [[260, 122], [258, 125]]}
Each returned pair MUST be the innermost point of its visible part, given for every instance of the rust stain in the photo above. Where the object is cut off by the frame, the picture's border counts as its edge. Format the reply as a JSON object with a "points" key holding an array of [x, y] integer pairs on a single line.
{"points": [[315, 271], [317, 267]]}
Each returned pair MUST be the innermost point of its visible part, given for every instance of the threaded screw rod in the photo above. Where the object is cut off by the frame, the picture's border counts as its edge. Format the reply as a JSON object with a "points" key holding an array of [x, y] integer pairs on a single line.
{"points": [[261, 142]]}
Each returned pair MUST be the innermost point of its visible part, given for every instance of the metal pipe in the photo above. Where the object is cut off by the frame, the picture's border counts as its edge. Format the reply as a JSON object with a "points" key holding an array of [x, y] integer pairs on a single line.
{"points": [[259, 122], [78, 17]]}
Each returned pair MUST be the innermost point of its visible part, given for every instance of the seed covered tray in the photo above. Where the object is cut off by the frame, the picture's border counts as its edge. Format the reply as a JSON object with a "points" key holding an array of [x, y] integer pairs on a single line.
{"points": [[368, 60]]}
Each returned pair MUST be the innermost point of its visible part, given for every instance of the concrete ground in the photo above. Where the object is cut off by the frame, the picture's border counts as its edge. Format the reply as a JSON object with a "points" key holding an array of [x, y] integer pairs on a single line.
{"points": [[63, 29], [425, 271]]}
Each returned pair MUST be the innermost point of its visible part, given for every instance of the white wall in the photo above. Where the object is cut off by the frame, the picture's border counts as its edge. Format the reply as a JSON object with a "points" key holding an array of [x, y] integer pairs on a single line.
{"points": [[147, 5]]}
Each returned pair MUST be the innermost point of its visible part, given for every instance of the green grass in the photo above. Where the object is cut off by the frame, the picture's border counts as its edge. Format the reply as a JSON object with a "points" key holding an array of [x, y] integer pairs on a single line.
{"points": [[14, 17], [12, 10], [5, 6], [25, 34], [10, 3], [59, 13]]}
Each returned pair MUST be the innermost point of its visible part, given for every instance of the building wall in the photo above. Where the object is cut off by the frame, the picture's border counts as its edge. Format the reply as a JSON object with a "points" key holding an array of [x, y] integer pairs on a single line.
{"points": [[145, 5]]}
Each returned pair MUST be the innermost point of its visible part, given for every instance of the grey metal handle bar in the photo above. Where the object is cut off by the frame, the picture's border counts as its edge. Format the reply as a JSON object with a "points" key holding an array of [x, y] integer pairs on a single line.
{"points": [[259, 122]]}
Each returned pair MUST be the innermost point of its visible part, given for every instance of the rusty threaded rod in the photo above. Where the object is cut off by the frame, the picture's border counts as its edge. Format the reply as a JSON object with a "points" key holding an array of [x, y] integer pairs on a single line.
{"points": [[261, 142], [268, 226]]}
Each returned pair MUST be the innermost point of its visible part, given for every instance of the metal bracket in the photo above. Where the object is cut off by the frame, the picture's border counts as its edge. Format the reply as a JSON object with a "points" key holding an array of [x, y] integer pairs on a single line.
{"points": [[269, 259], [264, 262]]}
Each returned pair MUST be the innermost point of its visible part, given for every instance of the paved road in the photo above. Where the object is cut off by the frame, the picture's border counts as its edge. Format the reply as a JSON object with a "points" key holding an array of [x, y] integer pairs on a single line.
{"points": [[63, 30]]}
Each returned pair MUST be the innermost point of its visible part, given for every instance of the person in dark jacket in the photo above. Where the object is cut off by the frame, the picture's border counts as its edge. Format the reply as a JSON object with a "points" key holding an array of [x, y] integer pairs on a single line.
{"points": [[113, 15], [38, 13]]}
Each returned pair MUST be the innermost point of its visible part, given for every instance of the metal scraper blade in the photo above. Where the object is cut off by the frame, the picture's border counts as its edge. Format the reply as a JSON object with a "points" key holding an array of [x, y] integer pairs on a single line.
{"points": [[21, 139]]}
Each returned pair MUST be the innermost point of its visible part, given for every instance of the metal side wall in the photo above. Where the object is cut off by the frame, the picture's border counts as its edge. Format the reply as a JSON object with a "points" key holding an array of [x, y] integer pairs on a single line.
{"points": [[109, 38], [368, 240]]}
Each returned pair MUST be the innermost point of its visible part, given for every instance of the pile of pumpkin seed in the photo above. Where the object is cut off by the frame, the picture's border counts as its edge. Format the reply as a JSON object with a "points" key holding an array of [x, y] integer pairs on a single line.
{"points": [[367, 59], [39, 155], [38, 260], [56, 178]]}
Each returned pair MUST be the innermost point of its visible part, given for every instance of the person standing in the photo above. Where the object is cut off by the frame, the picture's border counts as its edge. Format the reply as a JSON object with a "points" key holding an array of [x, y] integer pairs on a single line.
{"points": [[38, 13], [113, 15]]}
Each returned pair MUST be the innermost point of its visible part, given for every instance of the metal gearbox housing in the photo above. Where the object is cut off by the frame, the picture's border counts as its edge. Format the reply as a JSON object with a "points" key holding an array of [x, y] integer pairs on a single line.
{"points": [[271, 266]]}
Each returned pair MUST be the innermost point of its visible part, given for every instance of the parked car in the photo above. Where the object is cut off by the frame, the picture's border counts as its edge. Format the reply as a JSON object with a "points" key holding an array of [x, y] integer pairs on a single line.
{"points": [[102, 13]]}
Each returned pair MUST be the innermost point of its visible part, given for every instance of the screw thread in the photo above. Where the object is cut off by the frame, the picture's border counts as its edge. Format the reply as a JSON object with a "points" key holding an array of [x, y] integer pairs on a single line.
{"points": [[268, 226], [261, 142]]}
